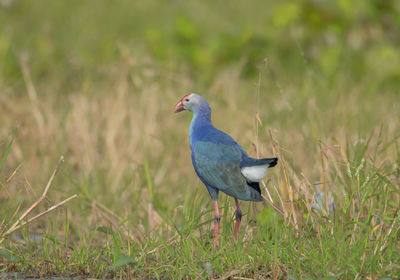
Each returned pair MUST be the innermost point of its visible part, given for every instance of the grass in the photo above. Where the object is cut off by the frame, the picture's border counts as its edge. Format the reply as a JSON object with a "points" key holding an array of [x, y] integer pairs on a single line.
{"points": [[141, 212]]}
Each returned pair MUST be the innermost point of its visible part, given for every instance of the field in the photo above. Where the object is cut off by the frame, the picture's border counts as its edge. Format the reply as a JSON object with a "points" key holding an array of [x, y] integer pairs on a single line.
{"points": [[315, 83]]}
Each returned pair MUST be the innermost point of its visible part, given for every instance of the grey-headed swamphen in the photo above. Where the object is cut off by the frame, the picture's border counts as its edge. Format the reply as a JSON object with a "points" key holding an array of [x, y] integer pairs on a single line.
{"points": [[220, 162]]}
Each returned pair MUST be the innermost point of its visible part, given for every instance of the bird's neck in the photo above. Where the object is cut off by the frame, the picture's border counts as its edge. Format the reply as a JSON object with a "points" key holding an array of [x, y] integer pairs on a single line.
{"points": [[200, 118]]}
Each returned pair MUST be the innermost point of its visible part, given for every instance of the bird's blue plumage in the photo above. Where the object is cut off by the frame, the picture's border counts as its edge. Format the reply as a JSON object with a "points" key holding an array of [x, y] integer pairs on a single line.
{"points": [[220, 162], [217, 158]]}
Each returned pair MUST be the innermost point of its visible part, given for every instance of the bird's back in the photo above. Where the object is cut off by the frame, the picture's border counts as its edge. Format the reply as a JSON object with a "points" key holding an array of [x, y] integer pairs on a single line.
{"points": [[217, 160]]}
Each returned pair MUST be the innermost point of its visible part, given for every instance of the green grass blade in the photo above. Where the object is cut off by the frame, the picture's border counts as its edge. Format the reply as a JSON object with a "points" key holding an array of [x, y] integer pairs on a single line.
{"points": [[5, 154]]}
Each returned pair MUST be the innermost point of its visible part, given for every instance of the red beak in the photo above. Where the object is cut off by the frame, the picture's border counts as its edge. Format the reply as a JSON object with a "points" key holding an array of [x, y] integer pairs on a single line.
{"points": [[179, 107]]}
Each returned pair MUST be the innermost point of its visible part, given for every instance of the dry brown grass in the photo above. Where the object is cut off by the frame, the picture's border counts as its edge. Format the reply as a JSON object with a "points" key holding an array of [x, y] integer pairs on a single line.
{"points": [[128, 156]]}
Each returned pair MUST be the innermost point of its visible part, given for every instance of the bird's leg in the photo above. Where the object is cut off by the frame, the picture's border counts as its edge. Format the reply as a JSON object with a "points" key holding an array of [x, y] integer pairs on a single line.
{"points": [[217, 218], [238, 215]]}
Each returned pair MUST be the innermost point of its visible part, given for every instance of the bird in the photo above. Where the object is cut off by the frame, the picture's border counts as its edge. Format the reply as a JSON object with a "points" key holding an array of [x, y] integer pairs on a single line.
{"points": [[220, 162]]}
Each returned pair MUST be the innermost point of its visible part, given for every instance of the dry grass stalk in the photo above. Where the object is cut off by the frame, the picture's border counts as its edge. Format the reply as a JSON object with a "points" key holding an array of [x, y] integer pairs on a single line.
{"points": [[20, 222], [2, 227], [32, 93], [9, 180], [256, 148]]}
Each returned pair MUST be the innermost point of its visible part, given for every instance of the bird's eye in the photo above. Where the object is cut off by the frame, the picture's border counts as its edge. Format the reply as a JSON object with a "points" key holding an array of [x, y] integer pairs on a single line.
{"points": [[187, 99]]}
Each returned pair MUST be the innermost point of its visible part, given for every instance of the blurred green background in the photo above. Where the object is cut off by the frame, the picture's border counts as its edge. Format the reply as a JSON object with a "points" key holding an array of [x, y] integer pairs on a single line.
{"points": [[70, 40]]}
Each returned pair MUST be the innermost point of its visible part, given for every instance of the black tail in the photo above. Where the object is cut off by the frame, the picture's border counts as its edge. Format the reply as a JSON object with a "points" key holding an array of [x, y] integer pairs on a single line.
{"points": [[271, 161], [254, 185], [255, 161]]}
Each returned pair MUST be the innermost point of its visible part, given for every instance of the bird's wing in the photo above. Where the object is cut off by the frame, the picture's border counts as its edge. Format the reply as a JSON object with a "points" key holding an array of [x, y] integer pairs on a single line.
{"points": [[218, 165]]}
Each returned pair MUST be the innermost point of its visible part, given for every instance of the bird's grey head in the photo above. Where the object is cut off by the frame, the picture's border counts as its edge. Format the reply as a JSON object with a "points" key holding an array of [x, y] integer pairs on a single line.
{"points": [[192, 102]]}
